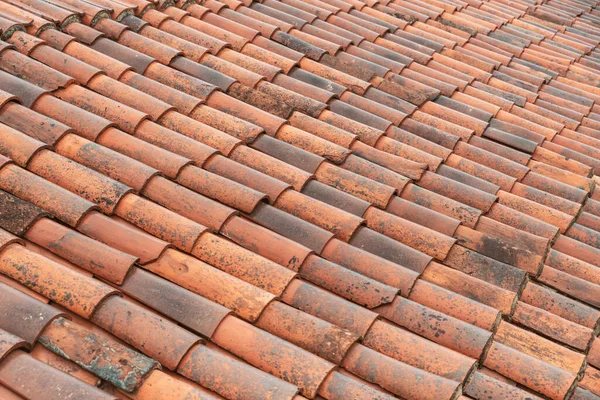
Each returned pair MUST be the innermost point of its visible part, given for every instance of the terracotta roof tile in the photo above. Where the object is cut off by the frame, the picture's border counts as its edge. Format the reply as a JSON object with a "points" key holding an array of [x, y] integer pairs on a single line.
{"points": [[120, 317], [75, 291], [63, 337], [39, 352], [415, 383], [211, 283], [32, 378], [497, 133], [88, 254]]}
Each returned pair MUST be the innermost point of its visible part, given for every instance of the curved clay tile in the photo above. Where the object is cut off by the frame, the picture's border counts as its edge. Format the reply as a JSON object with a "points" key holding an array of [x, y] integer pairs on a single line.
{"points": [[187, 203], [311, 236], [243, 130], [573, 266], [121, 235], [423, 239], [364, 188], [112, 361], [546, 379], [71, 289], [35, 379], [246, 176], [164, 39], [500, 249], [313, 144], [284, 63], [553, 326], [455, 305], [258, 99], [390, 249], [343, 385], [485, 268], [243, 264], [430, 133], [19, 215], [457, 191], [85, 123], [25, 91], [89, 184], [321, 338], [422, 216], [17, 305], [414, 350], [125, 117], [10, 342], [483, 383], [174, 142], [63, 204], [161, 385], [468, 180], [244, 299], [323, 130], [185, 307], [539, 211], [270, 123], [129, 96], [272, 354], [370, 265], [399, 378], [336, 198], [266, 243], [17, 146], [225, 374], [300, 102], [221, 189], [573, 286], [474, 168], [106, 161], [331, 308], [93, 256], [340, 223], [160, 222], [161, 339], [199, 131], [473, 288], [438, 327], [346, 283], [413, 149], [288, 153], [466, 214], [33, 124], [39, 352], [270, 165]]}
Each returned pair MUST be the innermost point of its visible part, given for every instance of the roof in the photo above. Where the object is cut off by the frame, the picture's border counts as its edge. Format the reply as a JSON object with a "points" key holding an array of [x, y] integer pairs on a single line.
{"points": [[299, 199]]}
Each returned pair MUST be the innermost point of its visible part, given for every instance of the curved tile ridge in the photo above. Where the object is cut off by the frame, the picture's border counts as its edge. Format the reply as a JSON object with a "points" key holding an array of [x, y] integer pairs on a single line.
{"points": [[326, 191]]}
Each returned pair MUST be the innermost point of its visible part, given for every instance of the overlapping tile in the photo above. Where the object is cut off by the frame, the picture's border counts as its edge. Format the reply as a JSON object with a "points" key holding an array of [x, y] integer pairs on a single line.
{"points": [[308, 199]]}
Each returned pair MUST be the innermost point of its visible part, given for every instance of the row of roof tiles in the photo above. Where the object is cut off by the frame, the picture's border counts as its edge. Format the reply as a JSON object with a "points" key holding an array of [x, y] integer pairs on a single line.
{"points": [[357, 200]]}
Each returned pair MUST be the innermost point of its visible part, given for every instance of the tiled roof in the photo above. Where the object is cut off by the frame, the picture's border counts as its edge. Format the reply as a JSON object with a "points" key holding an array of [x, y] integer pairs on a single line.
{"points": [[299, 199]]}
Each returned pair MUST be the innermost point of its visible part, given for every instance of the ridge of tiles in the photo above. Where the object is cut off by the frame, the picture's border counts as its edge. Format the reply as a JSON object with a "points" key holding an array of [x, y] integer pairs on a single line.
{"points": [[322, 199]]}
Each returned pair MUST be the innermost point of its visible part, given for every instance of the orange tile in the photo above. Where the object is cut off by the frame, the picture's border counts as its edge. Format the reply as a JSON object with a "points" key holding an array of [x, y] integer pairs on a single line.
{"points": [[331, 308], [414, 383], [227, 375], [346, 283], [31, 378], [65, 338], [77, 292], [278, 357], [243, 264], [123, 318], [84, 252]]}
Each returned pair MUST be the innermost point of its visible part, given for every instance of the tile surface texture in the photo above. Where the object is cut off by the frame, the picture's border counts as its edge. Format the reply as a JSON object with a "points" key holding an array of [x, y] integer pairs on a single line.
{"points": [[300, 199]]}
